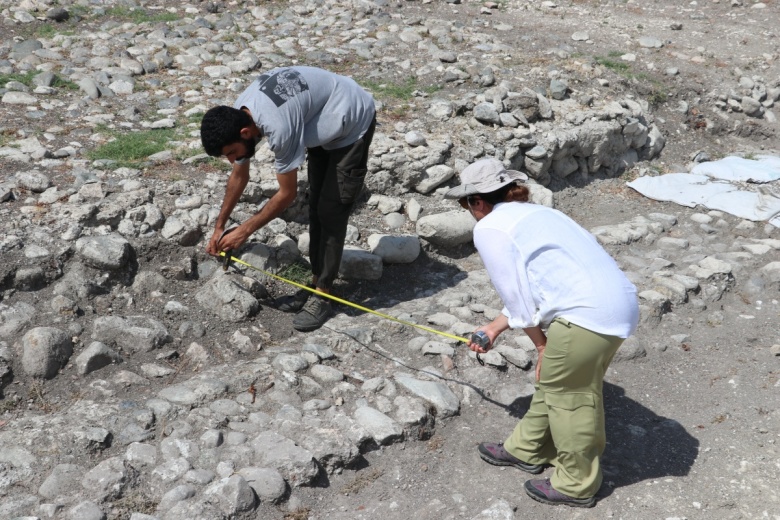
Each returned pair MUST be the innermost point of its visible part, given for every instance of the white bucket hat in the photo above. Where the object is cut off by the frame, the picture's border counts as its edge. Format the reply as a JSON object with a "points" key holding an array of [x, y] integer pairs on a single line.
{"points": [[484, 176]]}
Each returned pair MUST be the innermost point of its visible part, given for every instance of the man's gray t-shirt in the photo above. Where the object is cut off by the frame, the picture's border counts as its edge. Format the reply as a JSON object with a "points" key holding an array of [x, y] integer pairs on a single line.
{"points": [[305, 107]]}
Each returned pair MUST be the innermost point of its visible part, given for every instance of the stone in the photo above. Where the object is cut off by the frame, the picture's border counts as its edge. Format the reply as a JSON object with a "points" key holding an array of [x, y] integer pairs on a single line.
{"points": [[296, 464], [94, 357], [558, 89], [18, 98], [44, 350], [61, 481], [447, 229], [175, 495], [326, 374], [14, 318], [630, 350], [414, 138], [436, 393], [182, 230], [359, 264], [33, 180], [85, 510], [232, 495], [498, 510], [434, 177], [110, 252], [382, 428], [268, 484], [108, 479], [58, 14], [194, 392], [130, 333], [223, 296], [486, 113], [650, 42], [290, 363], [394, 249]]}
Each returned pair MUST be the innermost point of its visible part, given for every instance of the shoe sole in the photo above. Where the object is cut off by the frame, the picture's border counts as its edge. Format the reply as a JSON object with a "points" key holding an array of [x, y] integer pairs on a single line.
{"points": [[286, 307], [310, 327], [574, 502], [307, 328], [534, 470], [290, 308]]}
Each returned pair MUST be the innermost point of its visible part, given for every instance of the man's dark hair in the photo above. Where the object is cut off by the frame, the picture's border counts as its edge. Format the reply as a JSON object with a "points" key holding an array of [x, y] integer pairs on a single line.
{"points": [[222, 126]]}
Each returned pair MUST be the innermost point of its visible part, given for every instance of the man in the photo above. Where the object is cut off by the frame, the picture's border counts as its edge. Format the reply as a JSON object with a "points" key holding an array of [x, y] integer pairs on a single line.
{"points": [[551, 274], [297, 109]]}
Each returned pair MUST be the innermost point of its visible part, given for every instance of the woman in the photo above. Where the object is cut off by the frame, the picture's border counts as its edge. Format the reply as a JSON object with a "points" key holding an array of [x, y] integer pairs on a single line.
{"points": [[550, 274]]}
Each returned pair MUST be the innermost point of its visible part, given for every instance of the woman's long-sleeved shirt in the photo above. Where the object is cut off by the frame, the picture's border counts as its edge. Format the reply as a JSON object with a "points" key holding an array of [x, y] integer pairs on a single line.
{"points": [[545, 266]]}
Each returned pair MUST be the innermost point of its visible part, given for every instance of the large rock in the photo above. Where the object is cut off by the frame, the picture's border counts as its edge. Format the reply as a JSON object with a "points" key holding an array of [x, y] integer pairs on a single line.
{"points": [[131, 333], [108, 479], [268, 484], [296, 464], [394, 249], [61, 481], [434, 177], [44, 350], [486, 113], [360, 265], [225, 298], [447, 229], [331, 447], [435, 392], [382, 428], [232, 495], [110, 252], [95, 356], [414, 417], [14, 318], [182, 230], [34, 181], [194, 392]]}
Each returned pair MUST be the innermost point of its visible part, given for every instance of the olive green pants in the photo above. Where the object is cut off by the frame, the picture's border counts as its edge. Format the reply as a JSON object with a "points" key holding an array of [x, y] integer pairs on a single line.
{"points": [[564, 425]]}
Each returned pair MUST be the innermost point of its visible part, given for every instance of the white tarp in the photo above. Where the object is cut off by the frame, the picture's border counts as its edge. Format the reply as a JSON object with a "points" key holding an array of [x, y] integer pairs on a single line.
{"points": [[745, 188]]}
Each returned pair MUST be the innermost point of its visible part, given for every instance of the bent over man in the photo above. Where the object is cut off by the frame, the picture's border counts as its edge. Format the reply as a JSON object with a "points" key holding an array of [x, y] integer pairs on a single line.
{"points": [[297, 109]]}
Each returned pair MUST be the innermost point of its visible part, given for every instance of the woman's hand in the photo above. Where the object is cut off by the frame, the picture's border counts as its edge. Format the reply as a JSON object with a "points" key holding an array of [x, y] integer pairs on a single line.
{"points": [[491, 337], [540, 350]]}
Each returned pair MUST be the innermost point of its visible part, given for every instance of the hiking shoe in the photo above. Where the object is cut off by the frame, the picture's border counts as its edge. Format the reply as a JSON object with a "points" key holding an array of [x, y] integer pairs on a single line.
{"points": [[313, 315], [294, 302], [494, 453], [542, 491]]}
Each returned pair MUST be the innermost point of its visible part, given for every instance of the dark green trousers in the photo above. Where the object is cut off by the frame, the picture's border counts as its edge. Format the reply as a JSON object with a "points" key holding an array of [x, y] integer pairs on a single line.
{"points": [[565, 424]]}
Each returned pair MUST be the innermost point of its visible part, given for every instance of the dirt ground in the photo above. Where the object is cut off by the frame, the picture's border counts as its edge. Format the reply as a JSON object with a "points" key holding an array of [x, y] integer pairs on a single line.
{"points": [[692, 427]]}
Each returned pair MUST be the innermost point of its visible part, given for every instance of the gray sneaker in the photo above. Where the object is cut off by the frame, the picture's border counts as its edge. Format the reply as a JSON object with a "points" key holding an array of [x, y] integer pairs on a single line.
{"points": [[495, 453], [313, 315], [294, 302]]}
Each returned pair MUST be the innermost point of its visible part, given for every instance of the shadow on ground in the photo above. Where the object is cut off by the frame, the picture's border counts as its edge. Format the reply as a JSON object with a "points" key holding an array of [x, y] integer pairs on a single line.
{"points": [[641, 445]]}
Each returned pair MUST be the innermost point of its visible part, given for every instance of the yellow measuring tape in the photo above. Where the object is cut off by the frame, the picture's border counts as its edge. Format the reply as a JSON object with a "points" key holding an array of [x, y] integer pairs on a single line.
{"points": [[345, 302]]}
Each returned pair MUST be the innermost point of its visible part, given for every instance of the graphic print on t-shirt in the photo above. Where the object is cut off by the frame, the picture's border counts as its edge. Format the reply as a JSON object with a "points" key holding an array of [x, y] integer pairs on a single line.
{"points": [[282, 85]]}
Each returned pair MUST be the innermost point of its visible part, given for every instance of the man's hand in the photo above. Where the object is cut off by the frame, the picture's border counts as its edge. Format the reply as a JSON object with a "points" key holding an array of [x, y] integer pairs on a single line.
{"points": [[229, 240], [234, 238], [212, 247]]}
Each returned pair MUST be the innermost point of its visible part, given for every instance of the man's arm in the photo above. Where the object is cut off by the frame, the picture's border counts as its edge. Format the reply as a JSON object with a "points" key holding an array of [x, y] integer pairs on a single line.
{"points": [[281, 200], [239, 177]]}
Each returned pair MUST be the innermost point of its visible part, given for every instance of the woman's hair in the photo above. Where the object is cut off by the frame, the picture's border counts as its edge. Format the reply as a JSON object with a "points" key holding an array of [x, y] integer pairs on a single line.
{"points": [[509, 193]]}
